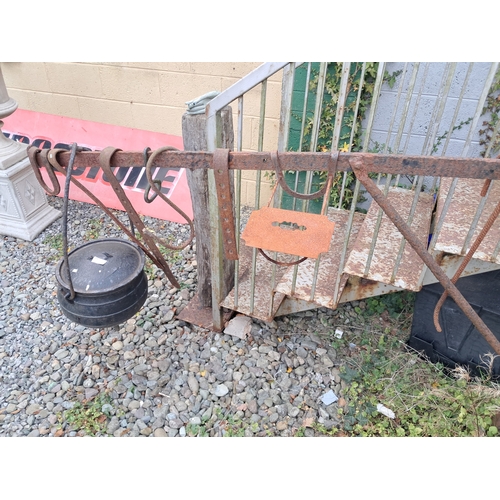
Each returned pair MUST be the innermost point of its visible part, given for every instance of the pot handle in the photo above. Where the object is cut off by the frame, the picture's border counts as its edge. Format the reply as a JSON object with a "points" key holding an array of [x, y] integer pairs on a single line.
{"points": [[74, 148]]}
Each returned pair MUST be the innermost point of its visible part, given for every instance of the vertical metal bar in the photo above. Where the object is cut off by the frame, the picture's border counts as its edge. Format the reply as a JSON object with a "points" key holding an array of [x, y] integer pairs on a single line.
{"points": [[446, 206], [339, 112], [324, 211], [415, 108], [409, 95], [438, 110], [239, 147], [409, 221], [395, 110], [285, 116], [346, 241], [388, 177], [216, 262], [258, 186], [316, 122], [339, 117], [457, 108], [379, 80], [286, 106], [353, 130], [304, 109], [302, 127], [377, 228], [356, 108], [475, 221]]}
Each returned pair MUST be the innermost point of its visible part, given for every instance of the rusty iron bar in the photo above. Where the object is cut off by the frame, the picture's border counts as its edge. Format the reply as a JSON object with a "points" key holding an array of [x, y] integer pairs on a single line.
{"points": [[491, 219], [472, 168], [362, 174]]}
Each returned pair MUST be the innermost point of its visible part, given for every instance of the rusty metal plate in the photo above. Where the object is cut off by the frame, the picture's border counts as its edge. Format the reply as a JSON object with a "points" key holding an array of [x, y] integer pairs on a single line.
{"points": [[328, 266], [460, 215], [288, 232], [389, 240], [196, 314]]}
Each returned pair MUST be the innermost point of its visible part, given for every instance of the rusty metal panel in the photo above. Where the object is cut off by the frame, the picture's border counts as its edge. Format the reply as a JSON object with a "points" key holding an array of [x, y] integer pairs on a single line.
{"points": [[328, 266], [460, 215], [389, 240], [286, 231], [262, 292]]}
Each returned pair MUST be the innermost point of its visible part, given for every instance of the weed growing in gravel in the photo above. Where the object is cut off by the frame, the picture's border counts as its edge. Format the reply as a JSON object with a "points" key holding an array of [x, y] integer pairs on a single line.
{"points": [[94, 229], [88, 417], [55, 241]]}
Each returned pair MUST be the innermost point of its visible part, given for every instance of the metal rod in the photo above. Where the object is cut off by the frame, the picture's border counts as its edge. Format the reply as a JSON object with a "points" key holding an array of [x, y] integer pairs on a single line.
{"points": [[377, 228], [415, 109], [409, 96], [395, 109], [467, 168], [438, 226], [318, 106], [339, 118], [379, 80], [258, 186], [457, 108], [437, 112], [237, 201], [302, 127], [475, 220], [409, 221], [346, 241]]}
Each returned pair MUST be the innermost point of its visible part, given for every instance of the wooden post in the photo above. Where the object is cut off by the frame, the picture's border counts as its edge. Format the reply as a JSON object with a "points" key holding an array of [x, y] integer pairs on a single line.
{"points": [[194, 137]]}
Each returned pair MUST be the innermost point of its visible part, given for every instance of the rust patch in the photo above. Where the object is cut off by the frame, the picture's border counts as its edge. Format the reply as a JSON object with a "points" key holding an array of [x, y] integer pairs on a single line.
{"points": [[358, 288], [196, 314]]}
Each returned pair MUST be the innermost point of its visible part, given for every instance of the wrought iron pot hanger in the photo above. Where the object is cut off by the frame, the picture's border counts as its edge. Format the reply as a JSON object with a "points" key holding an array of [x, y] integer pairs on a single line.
{"points": [[149, 240]]}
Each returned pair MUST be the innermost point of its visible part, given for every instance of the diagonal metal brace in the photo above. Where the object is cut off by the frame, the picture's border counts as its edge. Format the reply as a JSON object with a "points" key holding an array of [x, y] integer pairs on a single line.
{"points": [[362, 175]]}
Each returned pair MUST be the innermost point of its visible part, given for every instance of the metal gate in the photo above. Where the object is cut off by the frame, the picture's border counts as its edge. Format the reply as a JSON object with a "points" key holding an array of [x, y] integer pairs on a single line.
{"points": [[428, 109]]}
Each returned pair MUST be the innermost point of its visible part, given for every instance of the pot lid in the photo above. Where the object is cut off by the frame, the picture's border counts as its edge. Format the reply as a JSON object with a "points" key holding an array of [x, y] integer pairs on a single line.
{"points": [[102, 266]]}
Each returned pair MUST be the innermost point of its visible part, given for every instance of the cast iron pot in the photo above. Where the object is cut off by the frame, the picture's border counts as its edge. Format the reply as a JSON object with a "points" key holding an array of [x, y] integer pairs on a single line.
{"points": [[109, 282]]}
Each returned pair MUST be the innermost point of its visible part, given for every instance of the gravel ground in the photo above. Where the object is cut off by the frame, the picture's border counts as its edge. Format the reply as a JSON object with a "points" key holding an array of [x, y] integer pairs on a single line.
{"points": [[160, 376]]}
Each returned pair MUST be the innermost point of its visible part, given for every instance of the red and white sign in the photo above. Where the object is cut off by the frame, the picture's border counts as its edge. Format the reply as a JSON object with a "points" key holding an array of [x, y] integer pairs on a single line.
{"points": [[51, 131]]}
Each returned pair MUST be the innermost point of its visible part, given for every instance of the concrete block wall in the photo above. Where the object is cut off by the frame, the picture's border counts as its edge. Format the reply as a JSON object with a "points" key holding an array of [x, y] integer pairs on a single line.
{"points": [[429, 81], [146, 96]]}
